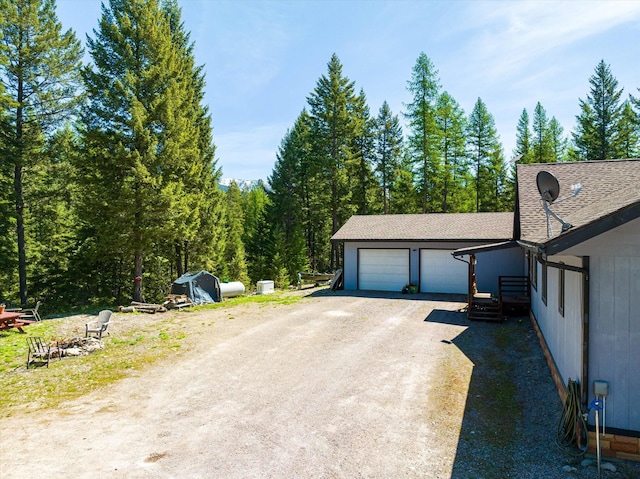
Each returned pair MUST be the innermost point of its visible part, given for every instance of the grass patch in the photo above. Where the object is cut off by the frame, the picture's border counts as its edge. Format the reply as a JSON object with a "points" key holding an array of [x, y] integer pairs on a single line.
{"points": [[123, 355]]}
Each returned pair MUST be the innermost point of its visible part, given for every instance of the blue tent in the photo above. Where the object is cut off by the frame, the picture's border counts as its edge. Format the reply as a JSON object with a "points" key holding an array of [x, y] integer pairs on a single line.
{"points": [[201, 287]]}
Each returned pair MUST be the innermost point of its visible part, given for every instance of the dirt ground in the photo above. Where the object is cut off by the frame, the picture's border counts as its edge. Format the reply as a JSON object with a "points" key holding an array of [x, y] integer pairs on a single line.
{"points": [[335, 385]]}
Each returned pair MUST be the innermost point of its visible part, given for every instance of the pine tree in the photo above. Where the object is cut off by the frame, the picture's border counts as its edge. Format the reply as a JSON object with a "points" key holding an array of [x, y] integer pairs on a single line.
{"points": [[523, 139], [404, 197], [541, 144], [596, 137], [363, 185], [483, 150], [557, 140], [388, 145], [451, 123], [628, 132], [291, 209], [424, 87], [235, 265], [333, 128], [53, 227], [40, 77], [148, 157], [584, 136], [195, 227]]}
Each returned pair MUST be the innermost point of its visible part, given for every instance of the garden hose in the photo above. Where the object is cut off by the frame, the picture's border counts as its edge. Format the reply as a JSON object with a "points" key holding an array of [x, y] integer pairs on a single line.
{"points": [[572, 428]]}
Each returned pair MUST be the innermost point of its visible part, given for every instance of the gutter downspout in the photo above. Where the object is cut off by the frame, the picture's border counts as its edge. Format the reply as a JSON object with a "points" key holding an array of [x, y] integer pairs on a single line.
{"points": [[584, 270]]}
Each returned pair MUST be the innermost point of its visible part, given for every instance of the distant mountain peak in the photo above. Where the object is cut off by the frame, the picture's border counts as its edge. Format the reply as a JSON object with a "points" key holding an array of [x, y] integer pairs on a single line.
{"points": [[242, 184]]}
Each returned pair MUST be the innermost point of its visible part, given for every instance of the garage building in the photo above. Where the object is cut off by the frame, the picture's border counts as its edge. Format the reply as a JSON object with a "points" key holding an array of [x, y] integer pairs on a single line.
{"points": [[388, 252]]}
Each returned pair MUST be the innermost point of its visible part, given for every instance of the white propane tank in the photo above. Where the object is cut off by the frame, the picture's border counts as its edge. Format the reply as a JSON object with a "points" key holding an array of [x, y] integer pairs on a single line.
{"points": [[231, 289]]}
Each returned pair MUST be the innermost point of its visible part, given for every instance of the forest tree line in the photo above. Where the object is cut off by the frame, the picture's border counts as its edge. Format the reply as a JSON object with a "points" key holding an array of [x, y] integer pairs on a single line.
{"points": [[110, 183]]}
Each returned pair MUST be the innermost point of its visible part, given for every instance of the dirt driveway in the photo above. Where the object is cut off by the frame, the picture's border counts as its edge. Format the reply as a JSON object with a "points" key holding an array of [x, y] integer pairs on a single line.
{"points": [[334, 385]]}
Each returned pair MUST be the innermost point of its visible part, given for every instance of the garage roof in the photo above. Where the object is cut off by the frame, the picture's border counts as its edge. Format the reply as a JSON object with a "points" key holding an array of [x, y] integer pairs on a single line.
{"points": [[427, 227]]}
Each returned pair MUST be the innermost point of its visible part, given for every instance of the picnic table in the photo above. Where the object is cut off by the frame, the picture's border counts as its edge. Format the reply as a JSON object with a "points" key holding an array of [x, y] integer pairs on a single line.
{"points": [[11, 319]]}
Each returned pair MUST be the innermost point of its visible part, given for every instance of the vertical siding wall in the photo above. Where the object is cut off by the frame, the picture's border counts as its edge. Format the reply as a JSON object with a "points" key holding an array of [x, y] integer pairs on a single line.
{"points": [[614, 289], [563, 334], [490, 265]]}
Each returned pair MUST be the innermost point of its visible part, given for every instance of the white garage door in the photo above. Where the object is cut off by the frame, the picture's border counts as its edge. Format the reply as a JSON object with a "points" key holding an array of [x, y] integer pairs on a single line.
{"points": [[441, 273], [383, 269]]}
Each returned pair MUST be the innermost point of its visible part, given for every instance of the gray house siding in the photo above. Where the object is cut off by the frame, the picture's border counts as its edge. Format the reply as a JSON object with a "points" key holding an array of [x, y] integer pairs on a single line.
{"points": [[563, 334], [490, 265], [614, 340]]}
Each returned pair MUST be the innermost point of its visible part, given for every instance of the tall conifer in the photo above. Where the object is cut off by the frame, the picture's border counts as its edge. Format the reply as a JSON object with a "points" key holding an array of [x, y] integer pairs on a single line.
{"points": [[40, 78], [388, 142], [541, 143], [523, 139], [333, 129], [596, 136], [149, 158], [484, 151], [455, 177], [424, 87]]}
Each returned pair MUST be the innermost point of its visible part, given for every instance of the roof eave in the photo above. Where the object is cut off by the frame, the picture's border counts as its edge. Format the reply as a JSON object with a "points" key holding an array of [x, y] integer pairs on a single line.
{"points": [[422, 240], [590, 230], [486, 248]]}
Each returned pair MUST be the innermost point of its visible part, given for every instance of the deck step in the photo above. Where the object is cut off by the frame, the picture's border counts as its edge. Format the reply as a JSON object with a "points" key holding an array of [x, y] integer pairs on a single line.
{"points": [[486, 311]]}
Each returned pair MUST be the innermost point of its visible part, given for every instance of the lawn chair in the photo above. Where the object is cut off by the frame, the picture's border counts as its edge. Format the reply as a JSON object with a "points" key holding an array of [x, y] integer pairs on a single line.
{"points": [[38, 348], [32, 313], [98, 326]]}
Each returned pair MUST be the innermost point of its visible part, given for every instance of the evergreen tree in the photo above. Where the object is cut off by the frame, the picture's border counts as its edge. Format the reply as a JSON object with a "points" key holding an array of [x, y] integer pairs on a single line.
{"points": [[196, 228], [148, 159], [557, 140], [451, 123], [40, 78], [234, 267], [254, 204], [333, 128], [584, 136], [52, 227], [541, 145], [424, 87], [483, 149], [405, 197], [596, 137], [388, 145], [628, 132], [363, 185], [523, 139], [291, 208]]}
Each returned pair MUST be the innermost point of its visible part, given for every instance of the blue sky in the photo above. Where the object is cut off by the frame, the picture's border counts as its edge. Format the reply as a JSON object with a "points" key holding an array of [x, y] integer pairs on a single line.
{"points": [[263, 58]]}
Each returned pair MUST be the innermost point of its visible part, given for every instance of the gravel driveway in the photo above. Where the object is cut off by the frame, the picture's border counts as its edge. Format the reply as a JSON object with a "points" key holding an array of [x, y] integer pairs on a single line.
{"points": [[333, 386]]}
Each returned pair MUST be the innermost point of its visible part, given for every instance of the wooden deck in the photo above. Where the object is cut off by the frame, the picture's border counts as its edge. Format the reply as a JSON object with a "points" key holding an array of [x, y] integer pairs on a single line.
{"points": [[513, 299]]}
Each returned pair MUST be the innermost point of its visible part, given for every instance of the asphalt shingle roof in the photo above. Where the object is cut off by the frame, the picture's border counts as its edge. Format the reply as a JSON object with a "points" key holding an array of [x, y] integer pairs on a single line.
{"points": [[428, 227], [607, 187]]}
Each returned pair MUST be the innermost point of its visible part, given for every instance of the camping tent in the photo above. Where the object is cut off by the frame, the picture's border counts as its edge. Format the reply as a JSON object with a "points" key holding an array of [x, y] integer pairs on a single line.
{"points": [[201, 287]]}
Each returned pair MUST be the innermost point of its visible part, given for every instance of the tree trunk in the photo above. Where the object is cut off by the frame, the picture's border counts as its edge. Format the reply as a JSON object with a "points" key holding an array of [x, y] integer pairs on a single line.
{"points": [[178, 259], [19, 199], [22, 256], [186, 256], [137, 274]]}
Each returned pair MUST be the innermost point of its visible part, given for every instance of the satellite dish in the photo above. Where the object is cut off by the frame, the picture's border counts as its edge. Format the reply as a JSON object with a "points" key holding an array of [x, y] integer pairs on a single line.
{"points": [[549, 189], [548, 186]]}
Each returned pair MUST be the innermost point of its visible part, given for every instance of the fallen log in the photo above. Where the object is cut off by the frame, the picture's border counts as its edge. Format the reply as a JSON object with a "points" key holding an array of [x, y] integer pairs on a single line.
{"points": [[148, 307]]}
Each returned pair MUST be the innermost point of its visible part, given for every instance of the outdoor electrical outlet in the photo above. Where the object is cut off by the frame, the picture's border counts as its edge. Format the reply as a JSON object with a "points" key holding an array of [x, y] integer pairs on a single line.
{"points": [[600, 388]]}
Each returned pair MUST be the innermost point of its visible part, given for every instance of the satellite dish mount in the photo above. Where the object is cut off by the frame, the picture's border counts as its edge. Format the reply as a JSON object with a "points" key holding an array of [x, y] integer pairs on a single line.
{"points": [[549, 189]]}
